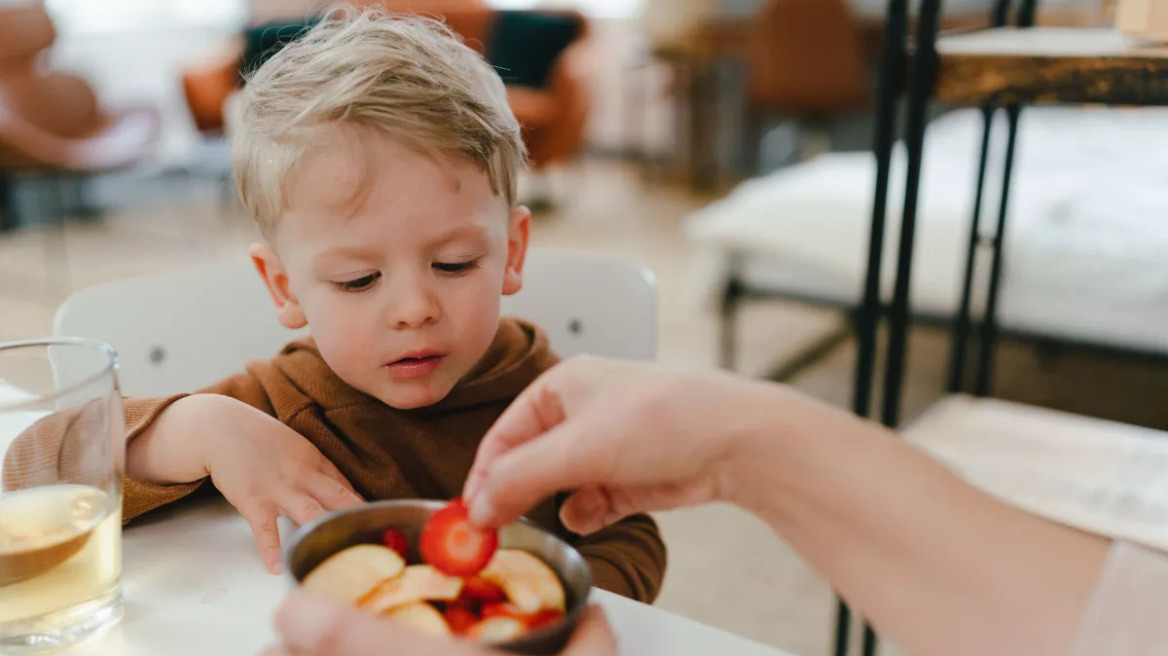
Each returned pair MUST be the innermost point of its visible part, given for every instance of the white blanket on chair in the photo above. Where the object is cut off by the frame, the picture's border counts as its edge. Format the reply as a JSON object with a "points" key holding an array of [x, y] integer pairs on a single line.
{"points": [[1086, 252]]}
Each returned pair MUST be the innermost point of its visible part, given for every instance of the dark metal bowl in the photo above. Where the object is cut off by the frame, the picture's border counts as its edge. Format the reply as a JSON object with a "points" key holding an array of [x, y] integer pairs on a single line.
{"points": [[327, 535]]}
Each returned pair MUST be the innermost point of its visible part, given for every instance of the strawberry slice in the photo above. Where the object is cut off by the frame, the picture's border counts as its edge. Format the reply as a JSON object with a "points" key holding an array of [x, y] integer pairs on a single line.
{"points": [[453, 545], [396, 540], [478, 589], [500, 609], [460, 619], [542, 618]]}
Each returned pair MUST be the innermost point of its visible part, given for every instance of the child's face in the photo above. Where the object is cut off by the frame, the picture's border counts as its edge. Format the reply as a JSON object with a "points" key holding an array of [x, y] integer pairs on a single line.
{"points": [[401, 282]]}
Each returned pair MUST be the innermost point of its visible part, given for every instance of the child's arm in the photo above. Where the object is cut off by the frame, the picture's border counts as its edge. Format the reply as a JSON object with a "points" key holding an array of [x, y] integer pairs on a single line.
{"points": [[225, 434], [264, 468], [627, 558]]}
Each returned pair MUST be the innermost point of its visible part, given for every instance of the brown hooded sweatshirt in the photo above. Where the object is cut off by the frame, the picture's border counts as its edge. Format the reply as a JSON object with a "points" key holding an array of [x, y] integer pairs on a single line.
{"points": [[384, 452]]}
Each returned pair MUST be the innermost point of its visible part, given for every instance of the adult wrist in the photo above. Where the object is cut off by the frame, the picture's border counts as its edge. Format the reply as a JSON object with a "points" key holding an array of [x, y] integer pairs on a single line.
{"points": [[784, 446]]}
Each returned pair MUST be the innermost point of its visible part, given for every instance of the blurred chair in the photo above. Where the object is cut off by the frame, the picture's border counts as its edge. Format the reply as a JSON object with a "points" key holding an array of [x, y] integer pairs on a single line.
{"points": [[554, 115], [184, 330], [51, 124], [25, 30], [53, 132], [805, 63]]}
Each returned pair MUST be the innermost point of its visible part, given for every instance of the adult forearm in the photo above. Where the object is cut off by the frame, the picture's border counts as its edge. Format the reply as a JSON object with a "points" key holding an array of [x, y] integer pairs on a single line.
{"points": [[935, 564]]}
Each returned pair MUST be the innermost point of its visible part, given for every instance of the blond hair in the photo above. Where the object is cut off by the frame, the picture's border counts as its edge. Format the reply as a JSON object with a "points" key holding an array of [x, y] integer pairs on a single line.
{"points": [[408, 77]]}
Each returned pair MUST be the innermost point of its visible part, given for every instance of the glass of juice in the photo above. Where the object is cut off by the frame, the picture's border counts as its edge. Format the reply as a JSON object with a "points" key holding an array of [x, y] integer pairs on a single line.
{"points": [[62, 438]]}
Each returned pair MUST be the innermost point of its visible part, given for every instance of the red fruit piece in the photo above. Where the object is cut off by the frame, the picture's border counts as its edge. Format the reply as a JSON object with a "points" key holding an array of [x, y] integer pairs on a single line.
{"points": [[453, 545], [460, 619], [500, 609], [543, 618], [479, 589], [396, 540]]}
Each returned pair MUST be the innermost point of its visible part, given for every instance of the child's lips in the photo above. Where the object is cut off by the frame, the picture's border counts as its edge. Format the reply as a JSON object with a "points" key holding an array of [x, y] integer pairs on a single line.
{"points": [[415, 366]]}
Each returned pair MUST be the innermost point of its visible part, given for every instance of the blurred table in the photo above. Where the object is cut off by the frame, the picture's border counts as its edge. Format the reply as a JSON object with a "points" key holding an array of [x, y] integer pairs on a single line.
{"points": [[194, 586], [694, 62]]}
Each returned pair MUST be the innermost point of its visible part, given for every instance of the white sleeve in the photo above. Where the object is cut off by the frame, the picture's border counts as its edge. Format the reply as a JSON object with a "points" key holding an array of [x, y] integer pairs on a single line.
{"points": [[1127, 614]]}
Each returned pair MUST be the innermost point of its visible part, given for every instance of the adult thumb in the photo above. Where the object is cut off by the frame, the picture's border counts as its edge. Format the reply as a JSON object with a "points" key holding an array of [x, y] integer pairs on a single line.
{"points": [[311, 626], [593, 637]]}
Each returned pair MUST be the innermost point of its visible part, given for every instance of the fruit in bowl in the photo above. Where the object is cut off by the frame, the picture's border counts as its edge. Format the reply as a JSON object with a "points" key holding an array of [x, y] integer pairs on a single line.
{"points": [[426, 565]]}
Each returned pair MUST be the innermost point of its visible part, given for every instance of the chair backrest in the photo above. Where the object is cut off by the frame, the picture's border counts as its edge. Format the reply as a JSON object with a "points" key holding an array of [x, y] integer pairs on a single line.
{"points": [[181, 331], [805, 58], [25, 30]]}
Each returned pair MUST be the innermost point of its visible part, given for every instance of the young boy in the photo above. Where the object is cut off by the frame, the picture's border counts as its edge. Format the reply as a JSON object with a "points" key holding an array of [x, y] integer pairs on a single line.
{"points": [[379, 157]]}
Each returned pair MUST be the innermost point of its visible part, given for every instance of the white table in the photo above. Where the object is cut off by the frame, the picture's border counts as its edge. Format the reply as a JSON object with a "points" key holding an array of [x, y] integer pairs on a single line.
{"points": [[194, 586]]}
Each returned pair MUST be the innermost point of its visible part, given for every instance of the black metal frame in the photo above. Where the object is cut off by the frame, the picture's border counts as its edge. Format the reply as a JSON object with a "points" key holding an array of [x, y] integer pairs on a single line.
{"points": [[896, 68], [924, 70], [893, 68]]}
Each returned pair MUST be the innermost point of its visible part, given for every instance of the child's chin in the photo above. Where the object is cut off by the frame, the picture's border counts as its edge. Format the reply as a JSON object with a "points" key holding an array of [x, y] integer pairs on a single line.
{"points": [[412, 398]]}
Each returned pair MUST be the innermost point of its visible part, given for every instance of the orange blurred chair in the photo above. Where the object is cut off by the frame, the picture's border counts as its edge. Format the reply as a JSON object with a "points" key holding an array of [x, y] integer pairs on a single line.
{"points": [[554, 118], [805, 62], [52, 128]]}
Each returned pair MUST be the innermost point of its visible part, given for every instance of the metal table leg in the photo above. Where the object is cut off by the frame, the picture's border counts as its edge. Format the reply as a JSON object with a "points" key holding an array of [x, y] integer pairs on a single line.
{"points": [[989, 330], [962, 322], [924, 72], [1026, 15], [921, 88], [892, 69]]}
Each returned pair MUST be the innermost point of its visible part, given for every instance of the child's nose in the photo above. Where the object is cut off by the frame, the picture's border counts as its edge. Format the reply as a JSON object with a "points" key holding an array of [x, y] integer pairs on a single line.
{"points": [[414, 306]]}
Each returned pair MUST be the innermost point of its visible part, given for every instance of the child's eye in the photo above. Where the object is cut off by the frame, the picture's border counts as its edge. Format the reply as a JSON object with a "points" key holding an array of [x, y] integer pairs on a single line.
{"points": [[362, 283], [456, 267]]}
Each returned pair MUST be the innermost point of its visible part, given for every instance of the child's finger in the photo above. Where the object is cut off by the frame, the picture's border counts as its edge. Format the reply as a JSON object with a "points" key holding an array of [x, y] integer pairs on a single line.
{"points": [[329, 469], [331, 494], [302, 508], [267, 535]]}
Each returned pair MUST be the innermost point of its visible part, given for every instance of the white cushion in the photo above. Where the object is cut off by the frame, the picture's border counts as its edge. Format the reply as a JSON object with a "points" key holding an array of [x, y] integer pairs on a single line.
{"points": [[1087, 233], [1101, 476]]}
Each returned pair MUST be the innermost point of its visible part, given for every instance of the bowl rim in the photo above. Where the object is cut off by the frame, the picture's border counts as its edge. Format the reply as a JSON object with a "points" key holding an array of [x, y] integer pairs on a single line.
{"points": [[571, 616]]}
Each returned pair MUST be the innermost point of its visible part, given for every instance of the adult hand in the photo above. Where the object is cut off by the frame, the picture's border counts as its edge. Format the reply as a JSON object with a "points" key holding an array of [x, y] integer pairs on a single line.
{"points": [[627, 437], [937, 565], [310, 626]]}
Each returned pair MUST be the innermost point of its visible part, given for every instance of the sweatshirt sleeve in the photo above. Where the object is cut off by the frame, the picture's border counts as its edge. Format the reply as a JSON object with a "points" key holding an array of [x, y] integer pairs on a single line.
{"points": [[50, 450], [627, 558], [1125, 614]]}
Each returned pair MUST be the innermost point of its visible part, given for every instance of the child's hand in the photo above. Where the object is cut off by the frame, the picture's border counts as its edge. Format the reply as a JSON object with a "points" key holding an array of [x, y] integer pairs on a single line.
{"points": [[267, 470]]}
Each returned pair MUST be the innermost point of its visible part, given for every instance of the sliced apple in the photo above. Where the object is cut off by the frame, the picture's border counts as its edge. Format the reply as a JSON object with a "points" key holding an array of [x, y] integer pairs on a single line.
{"points": [[349, 575], [530, 584], [497, 629], [416, 583], [421, 617]]}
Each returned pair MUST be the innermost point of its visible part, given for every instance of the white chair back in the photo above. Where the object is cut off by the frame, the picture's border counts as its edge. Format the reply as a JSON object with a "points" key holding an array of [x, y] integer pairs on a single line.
{"points": [[181, 331]]}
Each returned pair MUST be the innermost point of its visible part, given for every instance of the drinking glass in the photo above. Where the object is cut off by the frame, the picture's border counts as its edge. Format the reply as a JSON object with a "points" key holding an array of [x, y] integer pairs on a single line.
{"points": [[62, 438]]}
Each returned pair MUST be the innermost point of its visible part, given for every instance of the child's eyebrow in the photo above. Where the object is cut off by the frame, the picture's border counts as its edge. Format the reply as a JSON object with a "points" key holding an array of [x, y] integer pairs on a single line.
{"points": [[461, 232], [344, 252]]}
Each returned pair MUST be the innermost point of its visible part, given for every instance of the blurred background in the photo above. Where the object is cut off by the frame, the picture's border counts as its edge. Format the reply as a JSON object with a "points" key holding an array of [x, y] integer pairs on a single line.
{"points": [[725, 144]]}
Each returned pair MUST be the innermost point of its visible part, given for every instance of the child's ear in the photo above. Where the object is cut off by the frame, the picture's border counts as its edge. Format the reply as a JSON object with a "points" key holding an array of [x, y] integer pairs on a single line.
{"points": [[517, 234], [288, 310]]}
